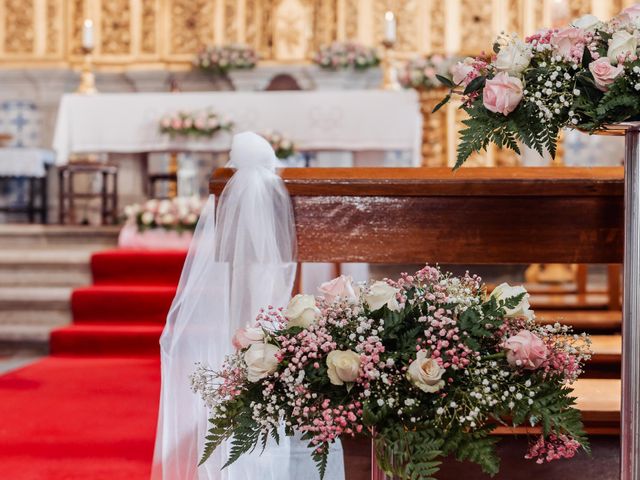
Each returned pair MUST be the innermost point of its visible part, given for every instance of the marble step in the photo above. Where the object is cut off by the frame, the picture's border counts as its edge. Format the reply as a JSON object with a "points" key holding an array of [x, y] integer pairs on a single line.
{"points": [[77, 237], [44, 267]]}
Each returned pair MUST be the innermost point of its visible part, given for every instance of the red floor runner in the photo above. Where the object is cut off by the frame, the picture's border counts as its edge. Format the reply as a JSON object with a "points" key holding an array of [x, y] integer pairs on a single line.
{"points": [[90, 411], [68, 418]]}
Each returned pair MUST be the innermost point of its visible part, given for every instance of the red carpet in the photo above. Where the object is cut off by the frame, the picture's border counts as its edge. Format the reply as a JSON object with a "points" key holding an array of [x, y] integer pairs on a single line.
{"points": [[89, 411]]}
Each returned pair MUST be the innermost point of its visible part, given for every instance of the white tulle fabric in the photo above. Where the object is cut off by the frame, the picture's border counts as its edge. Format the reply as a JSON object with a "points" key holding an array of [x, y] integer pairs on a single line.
{"points": [[243, 261]]}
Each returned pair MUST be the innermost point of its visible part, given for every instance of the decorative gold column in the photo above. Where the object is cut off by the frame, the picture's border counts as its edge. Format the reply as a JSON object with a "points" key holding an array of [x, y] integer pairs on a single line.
{"points": [[434, 128]]}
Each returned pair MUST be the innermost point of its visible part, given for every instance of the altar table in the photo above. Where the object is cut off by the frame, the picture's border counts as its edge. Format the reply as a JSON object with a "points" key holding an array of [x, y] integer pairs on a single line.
{"points": [[356, 120]]}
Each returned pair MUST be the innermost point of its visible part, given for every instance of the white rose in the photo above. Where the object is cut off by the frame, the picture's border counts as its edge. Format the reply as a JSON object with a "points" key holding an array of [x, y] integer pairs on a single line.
{"points": [[261, 361], [513, 58], [247, 336], [302, 311], [505, 291], [621, 43], [147, 218], [344, 366], [426, 373], [587, 23], [165, 206], [381, 294]]}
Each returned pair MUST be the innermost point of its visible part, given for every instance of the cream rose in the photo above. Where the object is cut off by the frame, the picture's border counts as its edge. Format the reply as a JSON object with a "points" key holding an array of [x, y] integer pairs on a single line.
{"points": [[247, 336], [505, 291], [588, 23], [341, 287], [604, 73], [381, 294], [261, 361], [302, 311], [502, 93], [621, 43], [513, 57], [426, 373], [343, 366]]}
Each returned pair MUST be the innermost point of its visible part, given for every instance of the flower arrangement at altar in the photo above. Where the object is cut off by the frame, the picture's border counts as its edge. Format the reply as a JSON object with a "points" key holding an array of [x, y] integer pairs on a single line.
{"points": [[426, 366], [283, 146], [421, 73], [203, 123], [178, 214], [585, 76], [346, 55], [220, 59]]}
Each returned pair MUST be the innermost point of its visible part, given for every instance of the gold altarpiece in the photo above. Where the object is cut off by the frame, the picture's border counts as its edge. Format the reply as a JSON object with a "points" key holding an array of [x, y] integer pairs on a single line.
{"points": [[164, 34]]}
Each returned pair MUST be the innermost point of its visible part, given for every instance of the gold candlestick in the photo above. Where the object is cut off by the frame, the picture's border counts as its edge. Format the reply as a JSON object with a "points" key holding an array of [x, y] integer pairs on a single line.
{"points": [[387, 67], [87, 78]]}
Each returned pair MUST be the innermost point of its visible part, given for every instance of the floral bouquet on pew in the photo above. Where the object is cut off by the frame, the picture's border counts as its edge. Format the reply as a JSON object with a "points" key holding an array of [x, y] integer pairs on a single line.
{"points": [[584, 76], [427, 366], [343, 55], [283, 147], [220, 59], [203, 123], [421, 73], [177, 214]]}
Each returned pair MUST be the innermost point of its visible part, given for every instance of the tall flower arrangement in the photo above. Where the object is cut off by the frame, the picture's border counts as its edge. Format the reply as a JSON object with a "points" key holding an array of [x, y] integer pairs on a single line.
{"points": [[425, 365], [584, 76], [344, 55], [220, 59], [421, 73], [203, 123]]}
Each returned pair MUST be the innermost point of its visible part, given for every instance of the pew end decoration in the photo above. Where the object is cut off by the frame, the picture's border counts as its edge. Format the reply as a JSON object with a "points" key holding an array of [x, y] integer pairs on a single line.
{"points": [[585, 76], [219, 60], [203, 123], [346, 55], [426, 366]]}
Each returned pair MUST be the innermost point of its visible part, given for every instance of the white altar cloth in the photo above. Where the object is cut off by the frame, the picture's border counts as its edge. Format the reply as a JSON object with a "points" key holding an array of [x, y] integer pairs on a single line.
{"points": [[356, 120], [25, 161]]}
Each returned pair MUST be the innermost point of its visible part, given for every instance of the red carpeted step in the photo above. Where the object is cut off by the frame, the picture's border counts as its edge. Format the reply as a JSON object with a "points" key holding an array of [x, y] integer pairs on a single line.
{"points": [[122, 303], [106, 339], [137, 267], [91, 418]]}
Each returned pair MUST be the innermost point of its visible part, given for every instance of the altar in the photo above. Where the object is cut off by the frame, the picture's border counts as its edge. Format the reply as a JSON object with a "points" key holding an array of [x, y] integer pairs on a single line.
{"points": [[354, 121]]}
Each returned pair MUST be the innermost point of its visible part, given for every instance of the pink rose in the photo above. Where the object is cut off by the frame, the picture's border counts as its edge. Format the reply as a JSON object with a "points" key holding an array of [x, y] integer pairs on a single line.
{"points": [[628, 15], [525, 350], [176, 124], [604, 73], [463, 72], [502, 93], [342, 287], [569, 42], [245, 337]]}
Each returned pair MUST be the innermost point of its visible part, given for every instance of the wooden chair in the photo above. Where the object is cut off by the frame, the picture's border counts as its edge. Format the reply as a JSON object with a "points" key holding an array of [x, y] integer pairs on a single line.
{"points": [[108, 194]]}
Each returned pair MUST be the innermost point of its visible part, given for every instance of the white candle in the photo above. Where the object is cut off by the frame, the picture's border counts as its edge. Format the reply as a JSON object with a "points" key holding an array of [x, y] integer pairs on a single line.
{"points": [[389, 27], [87, 34]]}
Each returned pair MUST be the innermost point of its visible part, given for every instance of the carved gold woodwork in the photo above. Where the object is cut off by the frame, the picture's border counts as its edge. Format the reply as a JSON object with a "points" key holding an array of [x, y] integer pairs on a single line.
{"points": [[434, 128], [168, 32]]}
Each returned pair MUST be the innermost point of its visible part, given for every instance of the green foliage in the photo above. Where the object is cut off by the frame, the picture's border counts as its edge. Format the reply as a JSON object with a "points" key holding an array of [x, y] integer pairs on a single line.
{"points": [[409, 454]]}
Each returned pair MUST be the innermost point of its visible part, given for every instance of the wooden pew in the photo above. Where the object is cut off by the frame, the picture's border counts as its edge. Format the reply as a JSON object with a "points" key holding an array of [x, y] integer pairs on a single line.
{"points": [[472, 216]]}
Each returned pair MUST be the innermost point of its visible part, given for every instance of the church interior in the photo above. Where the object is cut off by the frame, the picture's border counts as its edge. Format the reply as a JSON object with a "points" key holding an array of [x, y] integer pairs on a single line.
{"points": [[116, 120]]}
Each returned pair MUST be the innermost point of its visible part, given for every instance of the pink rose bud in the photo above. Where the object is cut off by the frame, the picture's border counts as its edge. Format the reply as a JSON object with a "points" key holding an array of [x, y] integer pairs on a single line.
{"points": [[604, 73], [502, 93], [526, 350]]}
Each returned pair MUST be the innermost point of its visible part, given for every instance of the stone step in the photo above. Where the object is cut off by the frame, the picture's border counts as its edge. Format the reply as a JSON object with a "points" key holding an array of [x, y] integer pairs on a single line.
{"points": [[44, 267], [77, 237], [28, 313]]}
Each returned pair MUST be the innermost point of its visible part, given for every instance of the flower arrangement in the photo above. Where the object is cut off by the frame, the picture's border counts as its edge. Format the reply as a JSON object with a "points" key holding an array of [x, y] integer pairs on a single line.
{"points": [[343, 55], [220, 59], [200, 123], [283, 147], [585, 76], [421, 73], [176, 214], [426, 365]]}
